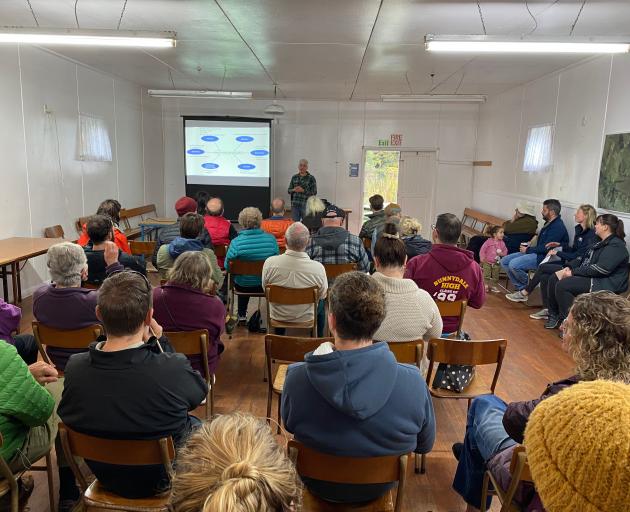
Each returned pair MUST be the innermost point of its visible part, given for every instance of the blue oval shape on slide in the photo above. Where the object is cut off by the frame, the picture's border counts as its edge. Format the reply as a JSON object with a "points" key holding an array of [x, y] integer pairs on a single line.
{"points": [[247, 167], [210, 138], [259, 152], [244, 138], [195, 151], [210, 165]]}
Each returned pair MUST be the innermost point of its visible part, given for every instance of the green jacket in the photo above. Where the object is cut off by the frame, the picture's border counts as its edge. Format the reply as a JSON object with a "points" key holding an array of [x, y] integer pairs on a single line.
{"points": [[23, 402], [165, 263], [525, 224], [376, 220]]}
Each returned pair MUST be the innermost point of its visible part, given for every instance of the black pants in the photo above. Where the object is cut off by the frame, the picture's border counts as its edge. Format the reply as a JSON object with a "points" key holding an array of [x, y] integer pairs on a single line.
{"points": [[542, 275], [563, 293], [243, 300], [26, 347]]}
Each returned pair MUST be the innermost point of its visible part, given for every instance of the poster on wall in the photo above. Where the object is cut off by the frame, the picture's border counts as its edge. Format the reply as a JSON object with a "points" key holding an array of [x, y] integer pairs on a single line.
{"points": [[614, 174]]}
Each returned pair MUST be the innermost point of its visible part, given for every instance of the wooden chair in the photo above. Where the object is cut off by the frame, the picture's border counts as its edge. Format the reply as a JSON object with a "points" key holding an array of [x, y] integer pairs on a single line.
{"points": [[243, 268], [68, 339], [279, 352], [367, 244], [519, 470], [123, 452], [220, 251], [350, 470], [336, 269], [456, 308], [144, 249], [292, 297], [475, 222], [54, 232], [195, 343], [9, 481], [128, 213]]}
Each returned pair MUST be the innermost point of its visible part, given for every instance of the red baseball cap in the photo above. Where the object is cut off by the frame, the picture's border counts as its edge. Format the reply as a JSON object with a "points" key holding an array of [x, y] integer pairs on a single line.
{"points": [[185, 205]]}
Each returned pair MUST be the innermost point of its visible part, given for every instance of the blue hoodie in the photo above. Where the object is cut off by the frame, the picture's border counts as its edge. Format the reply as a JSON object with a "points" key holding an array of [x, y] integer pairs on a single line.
{"points": [[181, 245], [357, 403]]}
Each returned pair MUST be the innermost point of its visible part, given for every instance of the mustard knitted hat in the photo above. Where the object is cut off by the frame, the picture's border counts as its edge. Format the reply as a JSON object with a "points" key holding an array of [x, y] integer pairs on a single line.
{"points": [[578, 448]]}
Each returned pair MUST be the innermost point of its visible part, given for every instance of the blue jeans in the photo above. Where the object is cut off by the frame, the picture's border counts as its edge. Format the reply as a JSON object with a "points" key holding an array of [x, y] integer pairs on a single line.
{"points": [[485, 437], [516, 265], [297, 212]]}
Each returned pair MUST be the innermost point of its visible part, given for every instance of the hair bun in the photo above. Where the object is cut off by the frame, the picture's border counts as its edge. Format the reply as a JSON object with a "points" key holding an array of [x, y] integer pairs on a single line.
{"points": [[241, 469]]}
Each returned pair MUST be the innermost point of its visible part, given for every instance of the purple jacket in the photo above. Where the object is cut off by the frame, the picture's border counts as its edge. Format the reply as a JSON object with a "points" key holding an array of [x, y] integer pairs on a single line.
{"points": [[177, 307], [9, 321]]}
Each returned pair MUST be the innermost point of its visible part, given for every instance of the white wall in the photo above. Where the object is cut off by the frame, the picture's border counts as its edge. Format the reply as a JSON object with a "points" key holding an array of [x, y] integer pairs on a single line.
{"points": [[331, 135], [42, 181], [585, 101]]}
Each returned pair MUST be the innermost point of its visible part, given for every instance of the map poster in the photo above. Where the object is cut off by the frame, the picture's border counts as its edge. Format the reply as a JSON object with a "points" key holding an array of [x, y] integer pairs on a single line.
{"points": [[614, 174]]}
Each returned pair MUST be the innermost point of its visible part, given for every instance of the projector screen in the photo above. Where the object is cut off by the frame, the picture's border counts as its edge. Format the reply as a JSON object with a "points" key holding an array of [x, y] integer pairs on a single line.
{"points": [[229, 158]]}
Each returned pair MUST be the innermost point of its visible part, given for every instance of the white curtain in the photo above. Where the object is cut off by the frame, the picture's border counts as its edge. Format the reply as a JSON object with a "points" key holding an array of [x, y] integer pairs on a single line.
{"points": [[94, 143], [538, 150]]}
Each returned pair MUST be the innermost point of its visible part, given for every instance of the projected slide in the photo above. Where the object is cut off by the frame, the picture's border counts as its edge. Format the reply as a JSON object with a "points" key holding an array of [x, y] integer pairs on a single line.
{"points": [[227, 153]]}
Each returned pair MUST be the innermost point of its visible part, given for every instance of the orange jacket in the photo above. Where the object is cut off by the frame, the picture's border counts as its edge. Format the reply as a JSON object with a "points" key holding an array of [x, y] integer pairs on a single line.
{"points": [[120, 239], [277, 226]]}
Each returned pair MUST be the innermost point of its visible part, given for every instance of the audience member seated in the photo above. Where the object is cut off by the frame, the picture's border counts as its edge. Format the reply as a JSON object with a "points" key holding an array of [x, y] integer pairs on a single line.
{"points": [[167, 234], [188, 302], [552, 234], [277, 224], [411, 312], [314, 211], [191, 226], [583, 240], [375, 219], [111, 208], [251, 244], [25, 344], [521, 227], [64, 304], [448, 273], [393, 213], [415, 243], [492, 250], [334, 244], [201, 199], [294, 269], [597, 336], [604, 267], [99, 229], [234, 463], [578, 448], [125, 387], [352, 398], [220, 229]]}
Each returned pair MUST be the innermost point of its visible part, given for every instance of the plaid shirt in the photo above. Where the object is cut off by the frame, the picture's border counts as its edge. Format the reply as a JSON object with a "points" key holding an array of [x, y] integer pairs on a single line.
{"points": [[351, 250], [308, 183]]}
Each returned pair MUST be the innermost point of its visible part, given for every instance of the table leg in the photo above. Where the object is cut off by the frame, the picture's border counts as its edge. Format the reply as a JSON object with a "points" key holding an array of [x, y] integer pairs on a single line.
{"points": [[5, 283], [347, 218], [14, 282], [19, 281], [141, 232]]}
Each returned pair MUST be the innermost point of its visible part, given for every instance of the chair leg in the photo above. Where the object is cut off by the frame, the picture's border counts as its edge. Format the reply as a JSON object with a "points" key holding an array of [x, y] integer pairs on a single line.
{"points": [[212, 396], [416, 457], [279, 417], [269, 400], [423, 464], [15, 494], [49, 474], [484, 492]]}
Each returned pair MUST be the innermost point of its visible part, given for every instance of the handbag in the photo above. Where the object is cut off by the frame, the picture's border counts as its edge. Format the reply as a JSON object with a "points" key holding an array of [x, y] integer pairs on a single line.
{"points": [[254, 324], [454, 377]]}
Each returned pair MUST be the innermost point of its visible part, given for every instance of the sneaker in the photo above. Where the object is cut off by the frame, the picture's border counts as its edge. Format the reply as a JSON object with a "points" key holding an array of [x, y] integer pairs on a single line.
{"points": [[543, 314], [242, 320], [457, 450], [553, 322], [516, 296], [494, 289]]}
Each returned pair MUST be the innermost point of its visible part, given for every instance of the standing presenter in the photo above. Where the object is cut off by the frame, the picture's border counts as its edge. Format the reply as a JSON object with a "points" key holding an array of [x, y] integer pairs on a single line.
{"points": [[302, 186]]}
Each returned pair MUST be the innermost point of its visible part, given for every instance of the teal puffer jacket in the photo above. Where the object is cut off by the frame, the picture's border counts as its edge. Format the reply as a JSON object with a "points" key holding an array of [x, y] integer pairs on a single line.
{"points": [[23, 402], [251, 245]]}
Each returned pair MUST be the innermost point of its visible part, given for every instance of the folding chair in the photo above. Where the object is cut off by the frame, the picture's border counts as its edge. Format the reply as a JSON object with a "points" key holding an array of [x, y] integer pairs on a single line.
{"points": [[519, 471], [144, 249], [121, 452], [456, 308], [292, 297], [350, 470], [195, 343]]}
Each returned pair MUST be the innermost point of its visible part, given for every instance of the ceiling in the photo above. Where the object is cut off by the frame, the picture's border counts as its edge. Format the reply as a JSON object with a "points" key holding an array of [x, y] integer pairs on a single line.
{"points": [[322, 49]]}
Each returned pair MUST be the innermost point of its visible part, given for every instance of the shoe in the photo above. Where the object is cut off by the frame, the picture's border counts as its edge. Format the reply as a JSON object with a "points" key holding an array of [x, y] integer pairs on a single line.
{"points": [[457, 450], [516, 297], [242, 320], [494, 289], [543, 314], [553, 322]]}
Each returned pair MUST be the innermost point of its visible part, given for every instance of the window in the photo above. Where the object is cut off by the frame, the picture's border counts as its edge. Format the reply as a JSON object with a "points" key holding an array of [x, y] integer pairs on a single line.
{"points": [[94, 144], [538, 149], [381, 176]]}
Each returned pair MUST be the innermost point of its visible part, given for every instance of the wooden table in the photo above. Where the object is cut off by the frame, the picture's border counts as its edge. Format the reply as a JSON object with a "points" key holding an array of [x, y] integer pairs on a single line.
{"points": [[16, 249], [154, 224]]}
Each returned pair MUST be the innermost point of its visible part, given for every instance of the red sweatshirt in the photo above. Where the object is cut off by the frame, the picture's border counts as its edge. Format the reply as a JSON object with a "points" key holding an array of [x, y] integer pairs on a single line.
{"points": [[448, 273]]}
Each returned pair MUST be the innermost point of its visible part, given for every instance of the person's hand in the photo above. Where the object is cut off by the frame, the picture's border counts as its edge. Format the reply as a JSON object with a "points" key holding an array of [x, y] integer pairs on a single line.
{"points": [[499, 252], [43, 372], [523, 248], [153, 329], [552, 244], [298, 189], [553, 252], [565, 272], [111, 253]]}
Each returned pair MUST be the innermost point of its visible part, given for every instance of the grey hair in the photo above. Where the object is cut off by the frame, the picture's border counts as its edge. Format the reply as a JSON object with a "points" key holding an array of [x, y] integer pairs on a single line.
{"points": [[250, 218], [280, 210], [297, 237], [314, 205], [65, 262], [303, 161]]}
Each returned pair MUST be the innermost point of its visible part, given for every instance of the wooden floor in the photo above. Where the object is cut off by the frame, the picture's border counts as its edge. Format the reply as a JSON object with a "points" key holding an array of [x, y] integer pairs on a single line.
{"points": [[534, 358]]}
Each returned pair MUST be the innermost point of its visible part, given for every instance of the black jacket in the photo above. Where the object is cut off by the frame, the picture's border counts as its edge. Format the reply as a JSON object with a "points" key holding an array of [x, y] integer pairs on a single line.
{"points": [[415, 245], [96, 264], [138, 393], [583, 240], [169, 233], [606, 263]]}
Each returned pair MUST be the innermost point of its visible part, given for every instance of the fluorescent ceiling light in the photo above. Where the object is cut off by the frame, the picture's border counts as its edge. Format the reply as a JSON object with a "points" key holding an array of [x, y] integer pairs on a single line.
{"points": [[496, 44], [435, 98], [74, 37], [180, 93]]}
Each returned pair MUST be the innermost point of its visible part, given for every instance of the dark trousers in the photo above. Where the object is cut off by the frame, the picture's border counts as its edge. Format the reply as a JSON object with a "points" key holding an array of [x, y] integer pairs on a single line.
{"points": [[26, 347], [543, 272], [243, 300], [321, 321], [561, 294]]}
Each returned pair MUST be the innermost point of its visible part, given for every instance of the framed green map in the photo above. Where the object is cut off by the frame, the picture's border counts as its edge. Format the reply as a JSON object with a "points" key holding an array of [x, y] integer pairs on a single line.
{"points": [[614, 174]]}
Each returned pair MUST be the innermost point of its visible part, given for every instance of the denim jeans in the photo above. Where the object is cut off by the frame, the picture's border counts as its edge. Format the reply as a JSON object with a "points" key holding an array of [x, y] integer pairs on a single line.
{"points": [[516, 265], [297, 212], [485, 437]]}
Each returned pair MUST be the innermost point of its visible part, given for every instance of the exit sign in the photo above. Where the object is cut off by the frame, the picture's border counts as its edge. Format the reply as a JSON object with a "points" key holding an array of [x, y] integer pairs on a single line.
{"points": [[383, 142]]}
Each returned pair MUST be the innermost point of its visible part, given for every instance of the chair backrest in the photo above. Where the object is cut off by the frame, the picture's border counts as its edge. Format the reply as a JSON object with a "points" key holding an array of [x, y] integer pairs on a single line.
{"points": [[220, 250], [350, 470], [290, 349], [54, 232], [144, 248], [291, 296], [246, 268], [139, 211], [455, 308], [519, 464], [336, 269], [367, 244], [191, 343], [472, 353], [59, 338], [409, 352]]}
